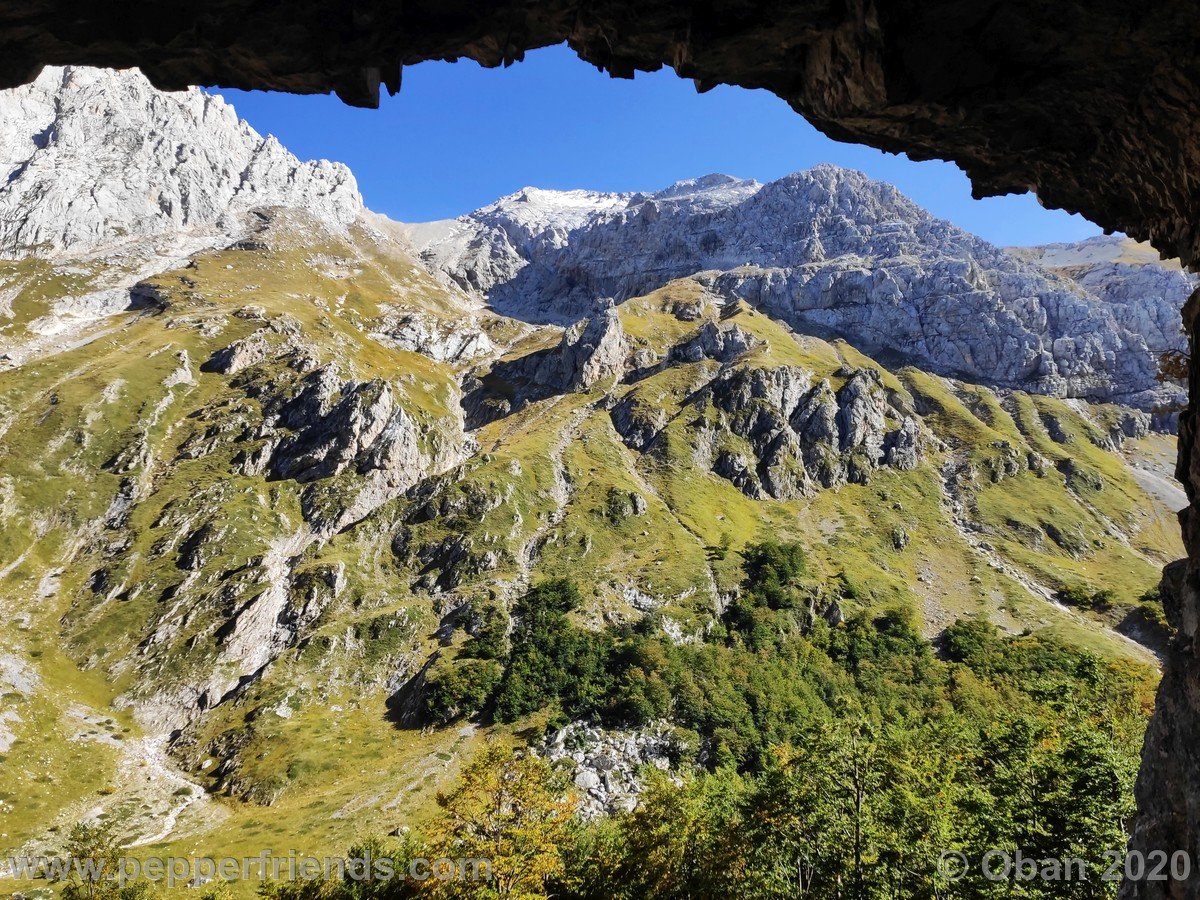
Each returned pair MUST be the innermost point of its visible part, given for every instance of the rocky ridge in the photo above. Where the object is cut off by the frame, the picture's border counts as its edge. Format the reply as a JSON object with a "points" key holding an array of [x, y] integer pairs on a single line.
{"points": [[107, 182], [1145, 292], [93, 158], [589, 352], [828, 251]]}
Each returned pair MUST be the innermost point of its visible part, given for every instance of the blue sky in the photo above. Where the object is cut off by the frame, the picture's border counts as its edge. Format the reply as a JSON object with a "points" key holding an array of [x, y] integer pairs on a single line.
{"points": [[458, 136]]}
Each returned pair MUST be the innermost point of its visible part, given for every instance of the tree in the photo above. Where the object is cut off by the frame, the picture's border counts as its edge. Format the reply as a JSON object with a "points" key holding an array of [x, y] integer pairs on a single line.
{"points": [[680, 841], [920, 811], [773, 571], [857, 779], [552, 659], [95, 856], [460, 689], [512, 810], [795, 831]]}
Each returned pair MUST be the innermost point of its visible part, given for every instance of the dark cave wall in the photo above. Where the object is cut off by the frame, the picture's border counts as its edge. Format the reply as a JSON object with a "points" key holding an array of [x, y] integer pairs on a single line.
{"points": [[1090, 104], [1168, 785]]}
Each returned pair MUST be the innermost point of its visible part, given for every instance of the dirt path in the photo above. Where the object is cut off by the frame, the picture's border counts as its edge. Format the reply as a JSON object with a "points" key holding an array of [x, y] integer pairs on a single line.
{"points": [[560, 493], [955, 505]]}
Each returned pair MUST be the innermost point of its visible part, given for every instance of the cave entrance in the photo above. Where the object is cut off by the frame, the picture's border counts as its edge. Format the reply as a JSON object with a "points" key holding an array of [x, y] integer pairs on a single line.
{"points": [[1091, 108]]}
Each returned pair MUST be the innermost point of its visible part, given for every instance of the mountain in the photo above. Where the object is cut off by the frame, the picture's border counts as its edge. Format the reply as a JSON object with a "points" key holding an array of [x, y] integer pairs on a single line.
{"points": [[96, 158], [1144, 292], [832, 253], [278, 513], [128, 181]]}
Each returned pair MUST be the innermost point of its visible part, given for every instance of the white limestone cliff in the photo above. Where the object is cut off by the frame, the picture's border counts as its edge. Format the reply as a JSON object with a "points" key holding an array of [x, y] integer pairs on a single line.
{"points": [[93, 159]]}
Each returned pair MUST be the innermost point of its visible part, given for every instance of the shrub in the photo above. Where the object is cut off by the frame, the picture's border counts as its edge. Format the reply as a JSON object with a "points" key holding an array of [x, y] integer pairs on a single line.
{"points": [[773, 571], [460, 689], [488, 626]]}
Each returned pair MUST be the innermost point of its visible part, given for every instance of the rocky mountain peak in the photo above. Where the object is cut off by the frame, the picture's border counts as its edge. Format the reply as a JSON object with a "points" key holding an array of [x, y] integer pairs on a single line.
{"points": [[707, 191], [96, 158], [832, 253]]}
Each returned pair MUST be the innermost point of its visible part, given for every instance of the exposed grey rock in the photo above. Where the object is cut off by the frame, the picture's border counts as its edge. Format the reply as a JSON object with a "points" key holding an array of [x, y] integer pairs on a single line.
{"points": [[590, 352], [860, 416], [643, 359], [94, 158], [333, 425], [606, 765], [807, 436], [442, 340], [16, 678], [833, 614], [1145, 295], [196, 550], [737, 469], [317, 426], [833, 254], [1133, 424], [114, 182], [240, 355], [638, 423], [532, 221], [1055, 430], [902, 447], [720, 342], [639, 599], [804, 436], [691, 310]]}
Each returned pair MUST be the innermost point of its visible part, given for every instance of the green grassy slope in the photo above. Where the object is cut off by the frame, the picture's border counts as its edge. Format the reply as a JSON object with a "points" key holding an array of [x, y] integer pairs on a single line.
{"points": [[116, 454]]}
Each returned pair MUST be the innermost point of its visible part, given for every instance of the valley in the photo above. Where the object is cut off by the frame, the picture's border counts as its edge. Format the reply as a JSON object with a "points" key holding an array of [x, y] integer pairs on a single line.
{"points": [[282, 481]]}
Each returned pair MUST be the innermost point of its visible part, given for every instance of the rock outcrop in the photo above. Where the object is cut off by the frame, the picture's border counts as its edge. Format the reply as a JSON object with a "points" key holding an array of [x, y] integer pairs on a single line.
{"points": [[317, 425], [593, 352], [607, 766], [724, 343], [782, 433], [445, 341], [1144, 294], [589, 353]]}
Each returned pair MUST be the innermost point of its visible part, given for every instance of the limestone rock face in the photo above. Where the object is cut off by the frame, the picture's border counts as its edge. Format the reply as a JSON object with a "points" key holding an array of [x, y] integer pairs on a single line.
{"points": [[443, 341], [317, 425], [720, 342], [801, 434], [594, 352], [589, 353], [240, 355], [902, 448], [95, 158], [832, 253], [334, 425], [1144, 294]]}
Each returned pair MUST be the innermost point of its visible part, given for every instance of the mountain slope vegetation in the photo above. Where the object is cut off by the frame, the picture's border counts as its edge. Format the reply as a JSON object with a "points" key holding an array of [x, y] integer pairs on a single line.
{"points": [[304, 520]]}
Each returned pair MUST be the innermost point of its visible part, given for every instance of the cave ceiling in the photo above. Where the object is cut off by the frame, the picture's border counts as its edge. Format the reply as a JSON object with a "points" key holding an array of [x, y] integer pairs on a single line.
{"points": [[1092, 105]]}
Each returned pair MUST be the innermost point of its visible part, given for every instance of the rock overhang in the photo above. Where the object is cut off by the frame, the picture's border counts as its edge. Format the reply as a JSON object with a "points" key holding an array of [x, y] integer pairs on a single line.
{"points": [[1089, 104]]}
